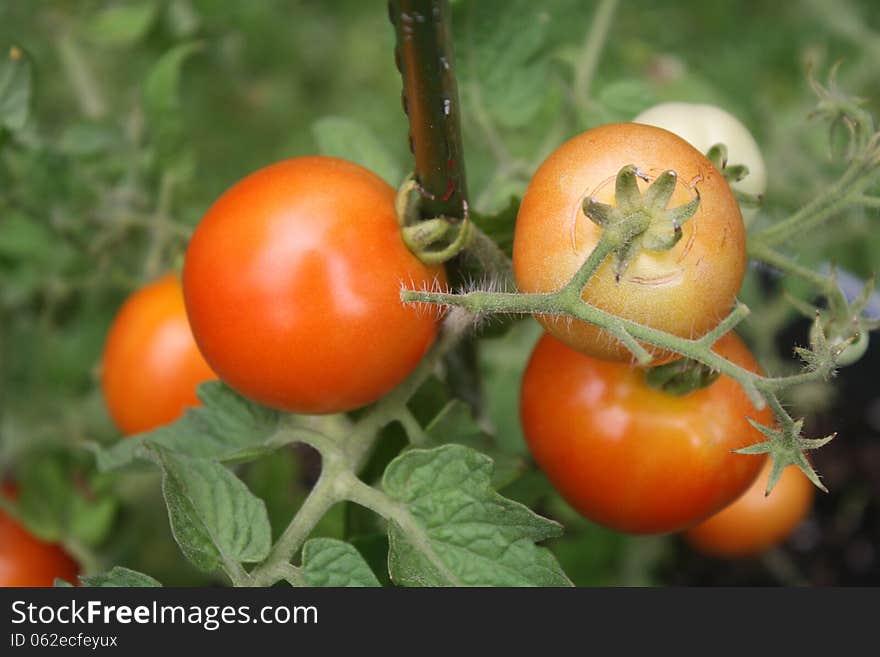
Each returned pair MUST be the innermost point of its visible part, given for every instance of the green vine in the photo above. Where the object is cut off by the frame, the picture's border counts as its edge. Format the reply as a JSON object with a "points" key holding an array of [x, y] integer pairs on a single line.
{"points": [[835, 329]]}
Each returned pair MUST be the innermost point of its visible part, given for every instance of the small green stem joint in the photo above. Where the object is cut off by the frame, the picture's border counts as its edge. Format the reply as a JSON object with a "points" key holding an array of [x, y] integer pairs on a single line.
{"points": [[733, 173], [681, 377], [433, 241], [640, 220], [840, 332]]}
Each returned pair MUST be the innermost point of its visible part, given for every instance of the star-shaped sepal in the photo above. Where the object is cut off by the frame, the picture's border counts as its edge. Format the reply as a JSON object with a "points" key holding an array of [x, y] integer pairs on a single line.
{"points": [[640, 220], [786, 446]]}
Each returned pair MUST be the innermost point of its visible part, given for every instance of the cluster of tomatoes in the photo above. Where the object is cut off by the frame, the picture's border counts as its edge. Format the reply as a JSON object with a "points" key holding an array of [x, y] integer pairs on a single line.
{"points": [[290, 295], [624, 454]]}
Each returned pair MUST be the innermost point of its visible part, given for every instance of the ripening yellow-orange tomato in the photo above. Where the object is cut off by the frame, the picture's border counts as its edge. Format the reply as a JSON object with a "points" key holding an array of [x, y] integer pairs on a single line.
{"points": [[685, 290]]}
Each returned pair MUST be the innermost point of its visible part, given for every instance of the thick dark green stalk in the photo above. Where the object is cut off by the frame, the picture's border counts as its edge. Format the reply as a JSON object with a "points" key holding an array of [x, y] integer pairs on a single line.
{"points": [[430, 99]]}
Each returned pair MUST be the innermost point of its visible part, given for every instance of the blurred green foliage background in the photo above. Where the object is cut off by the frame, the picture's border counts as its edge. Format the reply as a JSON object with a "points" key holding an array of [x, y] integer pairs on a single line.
{"points": [[145, 111]]}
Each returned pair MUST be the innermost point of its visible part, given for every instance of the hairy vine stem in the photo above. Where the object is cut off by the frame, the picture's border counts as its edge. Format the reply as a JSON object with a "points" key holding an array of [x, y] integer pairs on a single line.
{"points": [[344, 449], [786, 445]]}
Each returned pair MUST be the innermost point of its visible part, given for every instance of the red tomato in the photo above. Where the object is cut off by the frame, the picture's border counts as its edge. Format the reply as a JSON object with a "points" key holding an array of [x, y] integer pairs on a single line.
{"points": [[686, 290], [25, 560], [151, 364], [755, 522], [633, 458], [292, 283]]}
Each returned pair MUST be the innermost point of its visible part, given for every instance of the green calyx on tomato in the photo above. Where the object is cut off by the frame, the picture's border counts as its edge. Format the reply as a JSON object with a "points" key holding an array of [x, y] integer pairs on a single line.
{"points": [[640, 220], [680, 377], [733, 173], [724, 139]]}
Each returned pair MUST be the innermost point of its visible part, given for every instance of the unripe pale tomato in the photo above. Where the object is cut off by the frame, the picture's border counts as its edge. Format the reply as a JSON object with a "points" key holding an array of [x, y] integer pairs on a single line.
{"points": [[755, 521], [151, 365], [25, 560], [633, 458], [704, 126], [292, 283], [686, 290]]}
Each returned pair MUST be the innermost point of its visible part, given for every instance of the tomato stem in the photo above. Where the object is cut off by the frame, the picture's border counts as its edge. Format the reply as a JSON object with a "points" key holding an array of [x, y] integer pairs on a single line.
{"points": [[843, 194], [424, 56], [594, 44], [786, 445], [344, 449]]}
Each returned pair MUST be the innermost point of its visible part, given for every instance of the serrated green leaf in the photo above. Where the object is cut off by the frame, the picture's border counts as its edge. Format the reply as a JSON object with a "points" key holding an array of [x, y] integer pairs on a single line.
{"points": [[62, 583], [500, 46], [119, 577], [456, 424], [226, 427], [16, 82], [121, 25], [215, 519], [328, 562], [457, 531], [341, 137]]}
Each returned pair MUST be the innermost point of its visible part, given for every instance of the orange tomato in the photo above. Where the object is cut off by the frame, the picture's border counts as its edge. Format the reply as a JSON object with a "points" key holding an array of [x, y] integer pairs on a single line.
{"points": [[686, 290], [292, 283], [25, 560], [151, 365], [755, 522], [633, 458]]}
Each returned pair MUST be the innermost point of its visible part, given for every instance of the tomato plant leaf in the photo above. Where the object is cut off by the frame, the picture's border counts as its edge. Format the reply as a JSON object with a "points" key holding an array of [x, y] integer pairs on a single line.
{"points": [[621, 100], [164, 111], [458, 531], [121, 25], [215, 519], [16, 83], [456, 424], [329, 562], [499, 44], [499, 225], [58, 500], [226, 427], [119, 576], [345, 138]]}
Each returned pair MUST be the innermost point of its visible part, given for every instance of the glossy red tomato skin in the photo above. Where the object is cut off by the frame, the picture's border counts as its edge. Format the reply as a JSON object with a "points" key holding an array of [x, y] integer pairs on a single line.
{"points": [[755, 522], [632, 458], [151, 365], [686, 290], [25, 560], [292, 283]]}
